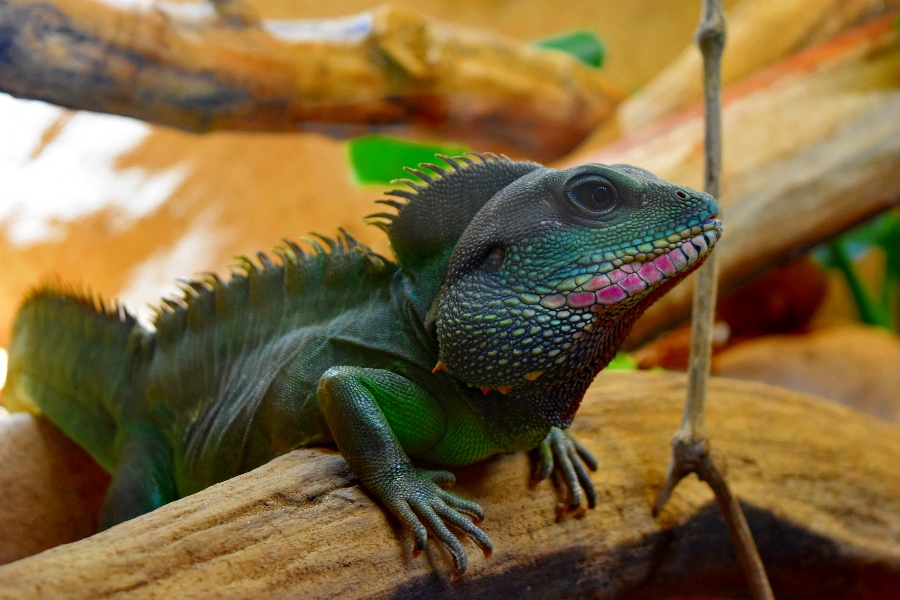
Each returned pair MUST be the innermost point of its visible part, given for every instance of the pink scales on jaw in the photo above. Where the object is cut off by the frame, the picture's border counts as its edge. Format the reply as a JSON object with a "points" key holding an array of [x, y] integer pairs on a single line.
{"points": [[689, 250], [580, 299], [633, 284], [597, 282], [630, 278], [664, 264], [611, 295], [649, 273]]}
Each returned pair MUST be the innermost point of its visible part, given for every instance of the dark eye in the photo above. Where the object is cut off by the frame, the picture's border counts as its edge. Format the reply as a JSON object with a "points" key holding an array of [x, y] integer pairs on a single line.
{"points": [[494, 260], [594, 194]]}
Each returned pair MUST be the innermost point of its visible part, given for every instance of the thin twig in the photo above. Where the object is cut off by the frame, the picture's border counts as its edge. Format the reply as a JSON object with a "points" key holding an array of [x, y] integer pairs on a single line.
{"points": [[691, 450]]}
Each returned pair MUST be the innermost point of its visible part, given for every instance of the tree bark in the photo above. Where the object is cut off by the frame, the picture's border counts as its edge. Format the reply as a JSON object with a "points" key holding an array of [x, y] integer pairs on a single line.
{"points": [[818, 482], [191, 67]]}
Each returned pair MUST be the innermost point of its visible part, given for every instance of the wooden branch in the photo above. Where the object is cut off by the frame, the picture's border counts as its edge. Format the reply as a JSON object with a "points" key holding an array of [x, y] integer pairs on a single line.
{"points": [[188, 66], [691, 448], [818, 481], [761, 33], [812, 148], [710, 37]]}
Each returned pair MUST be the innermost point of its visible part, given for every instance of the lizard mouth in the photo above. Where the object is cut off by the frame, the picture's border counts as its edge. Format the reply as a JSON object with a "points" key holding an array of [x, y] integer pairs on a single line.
{"points": [[641, 268]]}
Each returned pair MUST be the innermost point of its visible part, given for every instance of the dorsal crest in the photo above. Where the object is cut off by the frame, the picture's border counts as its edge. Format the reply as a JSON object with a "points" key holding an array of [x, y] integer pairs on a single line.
{"points": [[432, 215], [300, 288]]}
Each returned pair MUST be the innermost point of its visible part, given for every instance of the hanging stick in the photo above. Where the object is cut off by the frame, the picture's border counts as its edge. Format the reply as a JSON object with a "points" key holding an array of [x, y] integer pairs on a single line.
{"points": [[691, 450]]}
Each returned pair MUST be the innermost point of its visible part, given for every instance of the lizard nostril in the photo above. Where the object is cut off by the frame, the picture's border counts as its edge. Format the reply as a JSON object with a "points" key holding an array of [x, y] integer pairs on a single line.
{"points": [[682, 194]]}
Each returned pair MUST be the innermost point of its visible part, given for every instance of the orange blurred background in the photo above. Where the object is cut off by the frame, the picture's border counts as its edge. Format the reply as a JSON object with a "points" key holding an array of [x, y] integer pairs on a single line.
{"points": [[127, 207]]}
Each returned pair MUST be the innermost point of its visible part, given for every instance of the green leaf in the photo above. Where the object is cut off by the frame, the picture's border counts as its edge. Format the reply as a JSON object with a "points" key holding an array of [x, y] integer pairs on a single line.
{"points": [[584, 45], [881, 232], [622, 362], [871, 311], [888, 237], [378, 159]]}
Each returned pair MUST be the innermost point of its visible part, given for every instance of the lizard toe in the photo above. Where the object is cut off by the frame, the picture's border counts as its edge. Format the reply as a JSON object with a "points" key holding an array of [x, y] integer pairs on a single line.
{"points": [[434, 522]]}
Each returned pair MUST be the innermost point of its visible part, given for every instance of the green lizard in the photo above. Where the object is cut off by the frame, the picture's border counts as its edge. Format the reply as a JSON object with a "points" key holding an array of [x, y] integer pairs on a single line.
{"points": [[514, 285]]}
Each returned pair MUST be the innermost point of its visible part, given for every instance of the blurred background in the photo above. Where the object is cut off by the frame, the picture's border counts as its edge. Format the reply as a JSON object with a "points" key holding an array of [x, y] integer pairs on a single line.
{"points": [[126, 207]]}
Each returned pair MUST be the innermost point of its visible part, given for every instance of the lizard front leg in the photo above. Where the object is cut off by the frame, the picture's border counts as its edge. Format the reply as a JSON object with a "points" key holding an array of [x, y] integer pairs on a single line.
{"points": [[560, 450], [378, 419]]}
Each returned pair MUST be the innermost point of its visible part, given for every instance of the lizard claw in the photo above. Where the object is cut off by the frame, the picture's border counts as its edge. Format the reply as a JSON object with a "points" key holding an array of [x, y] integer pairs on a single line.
{"points": [[421, 505], [562, 453]]}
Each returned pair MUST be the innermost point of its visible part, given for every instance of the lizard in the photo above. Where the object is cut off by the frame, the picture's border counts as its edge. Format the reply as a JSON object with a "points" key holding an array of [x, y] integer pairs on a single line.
{"points": [[512, 286]]}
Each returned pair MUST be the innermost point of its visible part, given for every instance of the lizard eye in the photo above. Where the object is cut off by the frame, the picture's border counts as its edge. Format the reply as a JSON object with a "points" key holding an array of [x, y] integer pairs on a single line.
{"points": [[593, 194]]}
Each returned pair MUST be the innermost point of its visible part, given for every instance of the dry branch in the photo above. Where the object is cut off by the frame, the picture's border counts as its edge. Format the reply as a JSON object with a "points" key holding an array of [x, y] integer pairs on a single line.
{"points": [[691, 448], [191, 67], [818, 481], [812, 147], [761, 32]]}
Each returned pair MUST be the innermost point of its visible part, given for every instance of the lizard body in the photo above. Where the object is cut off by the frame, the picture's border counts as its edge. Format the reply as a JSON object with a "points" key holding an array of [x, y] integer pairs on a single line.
{"points": [[513, 286]]}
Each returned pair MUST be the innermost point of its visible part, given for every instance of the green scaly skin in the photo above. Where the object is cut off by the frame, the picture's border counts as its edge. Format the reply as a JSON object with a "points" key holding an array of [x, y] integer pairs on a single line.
{"points": [[514, 285]]}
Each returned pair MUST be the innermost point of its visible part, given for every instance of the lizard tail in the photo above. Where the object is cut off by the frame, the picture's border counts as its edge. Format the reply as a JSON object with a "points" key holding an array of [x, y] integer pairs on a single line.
{"points": [[72, 358]]}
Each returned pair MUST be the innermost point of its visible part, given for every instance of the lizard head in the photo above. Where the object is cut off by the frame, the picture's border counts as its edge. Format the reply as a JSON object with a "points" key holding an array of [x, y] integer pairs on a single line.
{"points": [[551, 272]]}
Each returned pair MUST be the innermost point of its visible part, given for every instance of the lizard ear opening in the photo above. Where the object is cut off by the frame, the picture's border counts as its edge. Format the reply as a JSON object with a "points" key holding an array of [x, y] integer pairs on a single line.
{"points": [[494, 259]]}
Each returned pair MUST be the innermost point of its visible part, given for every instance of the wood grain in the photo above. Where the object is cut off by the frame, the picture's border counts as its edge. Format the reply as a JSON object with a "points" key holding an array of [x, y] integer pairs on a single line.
{"points": [[818, 481]]}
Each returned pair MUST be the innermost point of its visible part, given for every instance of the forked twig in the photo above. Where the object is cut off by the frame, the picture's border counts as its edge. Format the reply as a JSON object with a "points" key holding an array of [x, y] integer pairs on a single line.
{"points": [[691, 450]]}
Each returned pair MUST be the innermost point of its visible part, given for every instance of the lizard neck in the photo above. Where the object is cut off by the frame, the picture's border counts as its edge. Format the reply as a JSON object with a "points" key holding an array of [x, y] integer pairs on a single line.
{"points": [[563, 391], [566, 387]]}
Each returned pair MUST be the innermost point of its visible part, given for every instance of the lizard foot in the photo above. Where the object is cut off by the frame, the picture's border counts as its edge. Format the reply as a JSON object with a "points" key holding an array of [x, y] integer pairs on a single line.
{"points": [[560, 452], [418, 502]]}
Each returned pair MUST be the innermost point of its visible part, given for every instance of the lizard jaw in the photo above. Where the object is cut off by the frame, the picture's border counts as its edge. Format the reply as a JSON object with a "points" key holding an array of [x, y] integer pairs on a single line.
{"points": [[641, 273]]}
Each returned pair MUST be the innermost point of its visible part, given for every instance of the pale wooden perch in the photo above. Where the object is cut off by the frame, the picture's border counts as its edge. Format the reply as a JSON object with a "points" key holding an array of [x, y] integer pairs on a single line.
{"points": [[819, 482], [188, 66], [812, 147]]}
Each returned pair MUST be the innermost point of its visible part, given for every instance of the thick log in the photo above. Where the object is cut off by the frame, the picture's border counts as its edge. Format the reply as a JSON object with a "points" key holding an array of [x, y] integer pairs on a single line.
{"points": [[818, 481], [188, 66], [811, 148], [852, 364], [51, 489]]}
